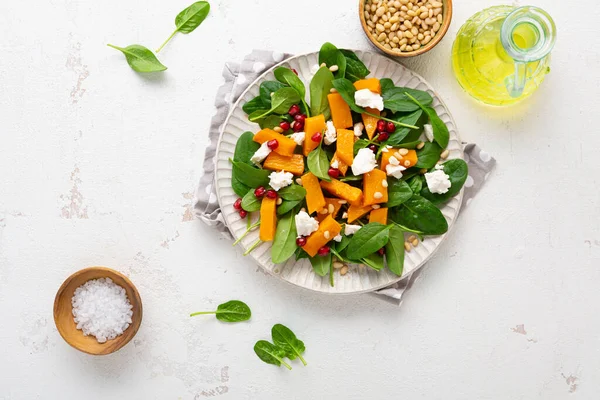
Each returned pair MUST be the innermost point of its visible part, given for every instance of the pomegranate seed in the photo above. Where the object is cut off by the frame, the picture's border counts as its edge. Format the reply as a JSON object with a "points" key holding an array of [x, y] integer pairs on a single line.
{"points": [[238, 204], [334, 173], [271, 194], [301, 241], [383, 136], [259, 191], [316, 137], [300, 118], [273, 144], [284, 125], [390, 127], [298, 126], [323, 251], [373, 148], [294, 71], [243, 213], [294, 110], [381, 126], [381, 251]]}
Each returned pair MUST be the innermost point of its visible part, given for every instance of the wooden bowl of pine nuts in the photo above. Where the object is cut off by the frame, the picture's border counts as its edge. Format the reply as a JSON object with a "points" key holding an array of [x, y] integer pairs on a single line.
{"points": [[405, 28]]}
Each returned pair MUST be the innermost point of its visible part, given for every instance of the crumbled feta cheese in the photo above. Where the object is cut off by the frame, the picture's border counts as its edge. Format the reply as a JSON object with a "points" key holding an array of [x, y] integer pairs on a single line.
{"points": [[278, 180], [438, 181], [394, 170], [386, 148], [298, 137], [335, 164], [364, 162], [330, 133], [305, 224], [358, 129], [428, 130], [261, 154], [366, 98], [351, 229], [337, 238]]}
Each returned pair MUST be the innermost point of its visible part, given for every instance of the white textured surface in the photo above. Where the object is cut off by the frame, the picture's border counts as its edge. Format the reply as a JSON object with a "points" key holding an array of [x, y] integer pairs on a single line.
{"points": [[98, 163], [300, 273]]}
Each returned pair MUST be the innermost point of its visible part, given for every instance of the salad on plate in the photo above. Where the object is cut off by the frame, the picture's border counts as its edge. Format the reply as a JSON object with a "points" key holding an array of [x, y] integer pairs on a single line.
{"points": [[353, 176]]}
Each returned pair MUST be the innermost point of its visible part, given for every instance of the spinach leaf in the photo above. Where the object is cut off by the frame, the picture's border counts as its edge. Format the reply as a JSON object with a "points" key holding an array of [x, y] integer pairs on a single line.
{"points": [[250, 202], [288, 77], [440, 130], [255, 104], [398, 192], [429, 155], [398, 99], [321, 264], [402, 132], [232, 311], [420, 214], [386, 84], [318, 163], [284, 244], [268, 87], [394, 251], [270, 353], [368, 240], [245, 147], [300, 254], [416, 184], [238, 187], [346, 89], [320, 85], [284, 338], [281, 101], [374, 260], [270, 122], [292, 192], [355, 68], [250, 176], [286, 206], [458, 171], [360, 144], [189, 19], [140, 59], [331, 55]]}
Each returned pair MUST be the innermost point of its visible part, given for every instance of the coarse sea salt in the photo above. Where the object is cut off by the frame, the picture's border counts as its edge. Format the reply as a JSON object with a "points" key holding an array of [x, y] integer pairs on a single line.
{"points": [[101, 309]]}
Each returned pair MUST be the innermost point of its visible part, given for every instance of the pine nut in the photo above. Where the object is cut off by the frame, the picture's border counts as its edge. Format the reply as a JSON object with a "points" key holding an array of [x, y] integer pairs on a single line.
{"points": [[387, 25], [323, 211], [331, 209], [404, 41], [375, 206], [384, 183], [436, 4], [377, 195], [326, 234], [403, 47], [371, 24], [445, 154], [299, 181], [344, 270], [411, 238], [333, 90], [407, 246], [342, 202], [436, 26], [303, 209], [398, 156], [421, 145], [420, 36], [381, 37], [408, 34], [384, 18], [322, 65], [278, 129], [427, 39], [403, 152], [415, 243], [407, 163], [379, 12], [338, 265], [394, 19], [279, 201], [334, 68]]}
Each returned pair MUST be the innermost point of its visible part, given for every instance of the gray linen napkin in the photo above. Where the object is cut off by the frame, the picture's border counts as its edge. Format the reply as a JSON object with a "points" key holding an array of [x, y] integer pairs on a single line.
{"points": [[237, 78]]}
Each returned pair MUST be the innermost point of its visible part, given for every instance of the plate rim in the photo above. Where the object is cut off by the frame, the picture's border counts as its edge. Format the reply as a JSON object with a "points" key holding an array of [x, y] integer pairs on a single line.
{"points": [[419, 266]]}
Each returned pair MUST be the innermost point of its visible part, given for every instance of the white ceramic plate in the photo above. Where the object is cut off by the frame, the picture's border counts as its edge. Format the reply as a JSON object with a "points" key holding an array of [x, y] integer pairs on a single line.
{"points": [[359, 279]]}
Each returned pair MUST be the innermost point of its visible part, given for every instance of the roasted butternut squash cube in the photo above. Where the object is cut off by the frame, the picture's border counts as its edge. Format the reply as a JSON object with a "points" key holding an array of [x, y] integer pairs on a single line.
{"points": [[340, 111], [342, 190], [407, 160], [328, 229], [332, 207], [379, 215], [370, 122], [345, 146], [355, 211], [312, 125], [371, 83], [268, 219], [342, 166], [277, 162], [286, 145], [374, 189], [315, 201]]}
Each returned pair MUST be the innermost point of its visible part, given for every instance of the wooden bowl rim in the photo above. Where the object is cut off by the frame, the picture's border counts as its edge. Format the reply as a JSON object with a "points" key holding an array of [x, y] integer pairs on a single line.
{"points": [[136, 318], [434, 41]]}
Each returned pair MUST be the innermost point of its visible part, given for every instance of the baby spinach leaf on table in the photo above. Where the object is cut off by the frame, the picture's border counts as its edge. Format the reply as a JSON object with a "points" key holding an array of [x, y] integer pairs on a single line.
{"points": [[429, 155], [458, 171], [321, 264], [415, 183], [189, 19], [140, 59], [292, 192], [270, 353], [286, 206], [320, 85], [245, 147], [440, 131], [250, 202], [355, 68], [394, 250], [368, 240], [284, 244], [250, 176], [331, 55], [398, 193], [255, 104], [268, 87], [232, 311], [402, 132], [281, 101], [420, 214], [374, 260], [284, 338], [318, 163]]}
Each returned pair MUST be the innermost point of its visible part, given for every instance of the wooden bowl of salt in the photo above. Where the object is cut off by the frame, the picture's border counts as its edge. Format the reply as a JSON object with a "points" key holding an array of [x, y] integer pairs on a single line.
{"points": [[101, 307]]}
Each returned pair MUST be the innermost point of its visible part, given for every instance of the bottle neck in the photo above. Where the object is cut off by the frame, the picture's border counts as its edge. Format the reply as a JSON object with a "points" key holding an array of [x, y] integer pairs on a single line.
{"points": [[528, 34]]}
